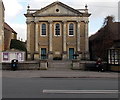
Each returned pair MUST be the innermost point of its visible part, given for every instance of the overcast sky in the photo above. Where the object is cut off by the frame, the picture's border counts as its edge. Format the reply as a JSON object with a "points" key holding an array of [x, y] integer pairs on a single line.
{"points": [[99, 9]]}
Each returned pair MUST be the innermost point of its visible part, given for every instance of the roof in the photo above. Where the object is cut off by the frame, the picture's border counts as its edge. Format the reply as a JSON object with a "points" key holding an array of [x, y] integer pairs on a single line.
{"points": [[61, 4], [7, 27], [113, 31]]}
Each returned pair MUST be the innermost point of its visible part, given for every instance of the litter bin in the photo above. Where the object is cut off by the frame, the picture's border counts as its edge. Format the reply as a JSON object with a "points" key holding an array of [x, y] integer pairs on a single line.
{"points": [[14, 64]]}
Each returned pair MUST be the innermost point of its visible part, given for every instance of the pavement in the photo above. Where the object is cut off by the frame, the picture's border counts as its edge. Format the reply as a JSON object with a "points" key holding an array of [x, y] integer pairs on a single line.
{"points": [[57, 74]]}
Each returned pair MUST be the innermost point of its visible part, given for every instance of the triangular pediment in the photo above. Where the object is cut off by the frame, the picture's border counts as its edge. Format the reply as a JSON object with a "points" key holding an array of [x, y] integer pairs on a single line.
{"points": [[57, 8]]}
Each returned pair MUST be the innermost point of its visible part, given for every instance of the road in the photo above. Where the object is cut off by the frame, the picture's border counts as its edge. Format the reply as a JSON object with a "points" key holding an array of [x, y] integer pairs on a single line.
{"points": [[36, 87]]}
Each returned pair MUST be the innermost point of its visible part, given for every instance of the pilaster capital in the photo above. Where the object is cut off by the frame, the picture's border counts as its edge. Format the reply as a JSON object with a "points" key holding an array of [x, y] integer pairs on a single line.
{"points": [[36, 22], [50, 21], [64, 21], [78, 21], [86, 22], [28, 22]]}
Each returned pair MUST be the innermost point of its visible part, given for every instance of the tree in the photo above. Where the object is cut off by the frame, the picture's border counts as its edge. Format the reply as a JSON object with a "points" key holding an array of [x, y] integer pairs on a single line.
{"points": [[17, 44], [108, 20]]}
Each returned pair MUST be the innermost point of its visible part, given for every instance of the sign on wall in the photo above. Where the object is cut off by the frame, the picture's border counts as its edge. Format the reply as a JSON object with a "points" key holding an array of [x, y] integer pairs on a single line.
{"points": [[9, 56]]}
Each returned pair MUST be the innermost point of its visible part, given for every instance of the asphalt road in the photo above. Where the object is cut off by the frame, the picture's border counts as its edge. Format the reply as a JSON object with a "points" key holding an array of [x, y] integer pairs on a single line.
{"points": [[60, 87]]}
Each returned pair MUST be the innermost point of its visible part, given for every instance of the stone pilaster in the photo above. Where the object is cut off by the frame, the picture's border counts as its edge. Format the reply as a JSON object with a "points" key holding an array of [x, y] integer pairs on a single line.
{"points": [[36, 36], [29, 54], [78, 36], [86, 41], [64, 40], [78, 39], [28, 36], [50, 54]]}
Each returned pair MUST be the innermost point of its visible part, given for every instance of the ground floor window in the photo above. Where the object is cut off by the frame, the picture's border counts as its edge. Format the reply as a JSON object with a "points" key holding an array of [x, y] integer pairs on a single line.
{"points": [[43, 53], [114, 56]]}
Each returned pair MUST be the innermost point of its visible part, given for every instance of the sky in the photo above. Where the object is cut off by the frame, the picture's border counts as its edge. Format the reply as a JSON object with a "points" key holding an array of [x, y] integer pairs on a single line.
{"points": [[99, 9]]}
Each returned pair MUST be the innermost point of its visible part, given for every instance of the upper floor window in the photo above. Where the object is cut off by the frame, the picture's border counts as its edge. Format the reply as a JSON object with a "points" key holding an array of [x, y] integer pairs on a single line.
{"points": [[57, 29], [43, 29], [71, 29]]}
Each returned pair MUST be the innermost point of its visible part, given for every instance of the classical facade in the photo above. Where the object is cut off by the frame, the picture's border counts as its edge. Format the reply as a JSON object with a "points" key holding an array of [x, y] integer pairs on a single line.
{"points": [[57, 31]]}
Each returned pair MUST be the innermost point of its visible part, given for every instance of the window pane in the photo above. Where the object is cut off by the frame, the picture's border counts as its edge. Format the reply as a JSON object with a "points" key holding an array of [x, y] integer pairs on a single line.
{"points": [[57, 29], [43, 29], [71, 29]]}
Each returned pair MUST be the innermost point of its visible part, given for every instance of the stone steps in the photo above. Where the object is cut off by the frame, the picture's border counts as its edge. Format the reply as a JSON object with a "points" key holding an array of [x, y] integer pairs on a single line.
{"points": [[59, 65]]}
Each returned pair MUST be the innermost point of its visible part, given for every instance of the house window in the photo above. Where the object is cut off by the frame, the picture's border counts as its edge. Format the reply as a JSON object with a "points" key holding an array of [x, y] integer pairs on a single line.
{"points": [[57, 29], [114, 56], [43, 29], [71, 29]]}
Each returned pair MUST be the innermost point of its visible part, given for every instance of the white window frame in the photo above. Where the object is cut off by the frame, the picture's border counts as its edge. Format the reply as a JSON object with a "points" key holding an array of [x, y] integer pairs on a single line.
{"points": [[55, 29], [73, 29], [41, 29]]}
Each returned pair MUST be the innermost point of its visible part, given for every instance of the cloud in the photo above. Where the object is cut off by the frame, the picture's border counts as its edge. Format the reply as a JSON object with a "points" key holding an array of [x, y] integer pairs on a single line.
{"points": [[20, 29], [12, 8]]}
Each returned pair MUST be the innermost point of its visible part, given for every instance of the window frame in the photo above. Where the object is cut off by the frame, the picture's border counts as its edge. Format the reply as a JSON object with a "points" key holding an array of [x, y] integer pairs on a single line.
{"points": [[43, 29], [55, 29], [73, 29]]}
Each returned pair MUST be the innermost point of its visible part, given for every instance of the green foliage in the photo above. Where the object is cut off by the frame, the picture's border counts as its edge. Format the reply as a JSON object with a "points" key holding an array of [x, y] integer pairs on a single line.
{"points": [[17, 44]]}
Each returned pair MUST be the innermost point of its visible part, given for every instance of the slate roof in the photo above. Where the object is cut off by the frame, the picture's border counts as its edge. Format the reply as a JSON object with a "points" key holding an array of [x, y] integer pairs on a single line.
{"points": [[7, 27]]}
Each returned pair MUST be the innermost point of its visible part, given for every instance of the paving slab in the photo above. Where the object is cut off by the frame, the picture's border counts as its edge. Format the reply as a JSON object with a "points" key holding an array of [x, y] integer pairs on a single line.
{"points": [[57, 74]]}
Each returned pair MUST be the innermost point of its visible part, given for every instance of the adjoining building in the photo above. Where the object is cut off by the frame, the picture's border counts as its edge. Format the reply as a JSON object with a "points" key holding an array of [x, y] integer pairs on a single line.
{"points": [[2, 10], [106, 44], [104, 39], [57, 31], [9, 34]]}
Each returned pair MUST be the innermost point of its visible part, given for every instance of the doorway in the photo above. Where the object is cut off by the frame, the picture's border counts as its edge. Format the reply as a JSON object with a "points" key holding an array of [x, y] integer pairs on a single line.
{"points": [[71, 53]]}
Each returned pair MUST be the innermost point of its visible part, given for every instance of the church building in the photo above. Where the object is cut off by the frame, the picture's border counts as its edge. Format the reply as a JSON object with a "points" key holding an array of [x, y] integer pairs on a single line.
{"points": [[57, 31]]}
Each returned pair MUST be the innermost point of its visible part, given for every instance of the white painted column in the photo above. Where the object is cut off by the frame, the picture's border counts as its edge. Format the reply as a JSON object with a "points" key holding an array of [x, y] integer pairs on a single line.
{"points": [[36, 36], [50, 55], [64, 40]]}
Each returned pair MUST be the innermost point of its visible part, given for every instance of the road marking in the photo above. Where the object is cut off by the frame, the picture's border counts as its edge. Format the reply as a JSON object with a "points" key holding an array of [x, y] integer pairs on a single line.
{"points": [[80, 91]]}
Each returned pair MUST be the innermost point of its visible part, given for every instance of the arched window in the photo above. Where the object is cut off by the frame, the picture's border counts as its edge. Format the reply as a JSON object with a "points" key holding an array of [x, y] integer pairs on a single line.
{"points": [[57, 29], [71, 29], [43, 29]]}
